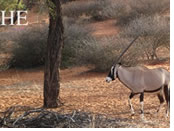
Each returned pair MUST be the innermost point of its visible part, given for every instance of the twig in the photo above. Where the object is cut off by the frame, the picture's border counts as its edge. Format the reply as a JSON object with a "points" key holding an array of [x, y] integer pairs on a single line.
{"points": [[25, 114]]}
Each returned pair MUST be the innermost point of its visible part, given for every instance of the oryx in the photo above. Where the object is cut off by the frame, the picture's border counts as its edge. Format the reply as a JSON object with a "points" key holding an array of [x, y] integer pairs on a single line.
{"points": [[140, 79]]}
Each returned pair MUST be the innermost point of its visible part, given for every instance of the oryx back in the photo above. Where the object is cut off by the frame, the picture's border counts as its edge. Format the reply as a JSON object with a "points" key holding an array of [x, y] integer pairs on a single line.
{"points": [[155, 79], [139, 79]]}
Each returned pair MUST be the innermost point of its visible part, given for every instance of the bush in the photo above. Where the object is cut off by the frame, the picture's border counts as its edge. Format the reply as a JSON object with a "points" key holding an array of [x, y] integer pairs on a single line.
{"points": [[78, 8], [4, 41], [29, 44], [97, 9], [154, 32], [97, 53], [29, 50], [149, 7], [138, 8], [102, 54], [1, 46], [75, 35], [122, 11], [109, 9]]}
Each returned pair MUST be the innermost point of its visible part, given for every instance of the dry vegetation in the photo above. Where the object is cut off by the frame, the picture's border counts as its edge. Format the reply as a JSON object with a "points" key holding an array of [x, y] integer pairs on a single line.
{"points": [[83, 92], [96, 31], [85, 42]]}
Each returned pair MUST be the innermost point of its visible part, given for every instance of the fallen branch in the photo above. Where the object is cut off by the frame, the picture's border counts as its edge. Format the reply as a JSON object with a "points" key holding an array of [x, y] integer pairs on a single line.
{"points": [[43, 118]]}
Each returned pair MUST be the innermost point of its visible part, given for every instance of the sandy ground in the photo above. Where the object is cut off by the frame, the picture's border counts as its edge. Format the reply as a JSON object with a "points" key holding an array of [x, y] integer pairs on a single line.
{"points": [[81, 90], [104, 28]]}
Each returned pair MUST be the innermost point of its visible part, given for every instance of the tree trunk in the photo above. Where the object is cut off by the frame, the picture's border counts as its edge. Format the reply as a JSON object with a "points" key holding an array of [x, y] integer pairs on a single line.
{"points": [[53, 55]]}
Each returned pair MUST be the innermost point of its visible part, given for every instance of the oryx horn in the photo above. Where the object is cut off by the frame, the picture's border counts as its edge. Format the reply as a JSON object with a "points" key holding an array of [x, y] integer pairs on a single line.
{"points": [[124, 51]]}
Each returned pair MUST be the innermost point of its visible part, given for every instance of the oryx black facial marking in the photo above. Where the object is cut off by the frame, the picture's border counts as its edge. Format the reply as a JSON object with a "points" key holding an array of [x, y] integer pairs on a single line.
{"points": [[111, 73]]}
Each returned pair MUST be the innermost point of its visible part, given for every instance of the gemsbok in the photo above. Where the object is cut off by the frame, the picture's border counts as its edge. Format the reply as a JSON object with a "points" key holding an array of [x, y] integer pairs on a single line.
{"points": [[140, 79]]}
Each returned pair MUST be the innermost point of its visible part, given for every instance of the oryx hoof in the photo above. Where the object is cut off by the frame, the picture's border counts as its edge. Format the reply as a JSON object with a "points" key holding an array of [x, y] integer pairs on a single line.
{"points": [[167, 114], [142, 118]]}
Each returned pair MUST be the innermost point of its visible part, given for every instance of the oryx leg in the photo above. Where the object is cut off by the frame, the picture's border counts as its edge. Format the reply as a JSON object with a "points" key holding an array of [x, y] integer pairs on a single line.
{"points": [[142, 104], [130, 104], [161, 99], [167, 98]]}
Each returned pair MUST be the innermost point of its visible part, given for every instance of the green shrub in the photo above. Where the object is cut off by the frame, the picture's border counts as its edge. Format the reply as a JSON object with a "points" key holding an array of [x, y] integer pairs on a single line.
{"points": [[10, 5], [75, 35], [29, 50], [4, 40], [1, 46], [29, 44]]}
